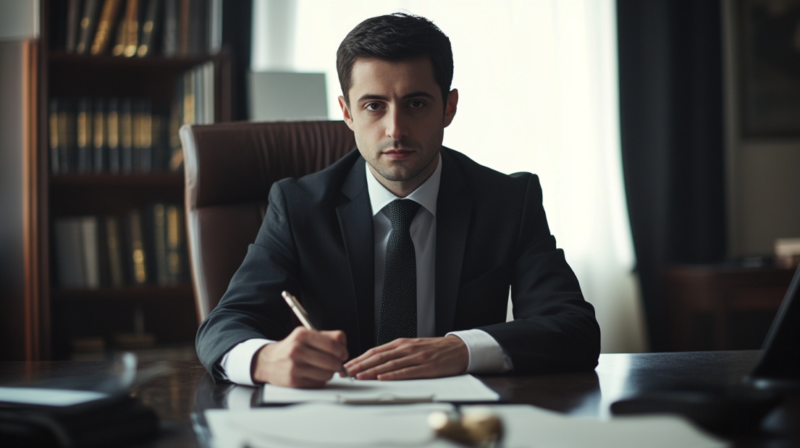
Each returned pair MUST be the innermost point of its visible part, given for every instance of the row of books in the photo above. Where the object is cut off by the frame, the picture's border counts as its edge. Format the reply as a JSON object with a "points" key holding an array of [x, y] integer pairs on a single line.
{"points": [[124, 135], [139, 248], [139, 28]]}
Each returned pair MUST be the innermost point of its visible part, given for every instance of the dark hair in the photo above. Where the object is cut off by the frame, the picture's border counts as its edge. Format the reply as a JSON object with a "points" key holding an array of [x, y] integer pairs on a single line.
{"points": [[393, 38]]}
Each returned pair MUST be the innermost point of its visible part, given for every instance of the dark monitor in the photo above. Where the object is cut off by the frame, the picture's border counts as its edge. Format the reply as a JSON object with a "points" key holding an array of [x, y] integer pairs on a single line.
{"points": [[780, 358]]}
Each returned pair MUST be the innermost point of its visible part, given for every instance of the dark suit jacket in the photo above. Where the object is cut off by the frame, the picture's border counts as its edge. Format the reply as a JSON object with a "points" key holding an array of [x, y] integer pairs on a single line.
{"points": [[491, 233]]}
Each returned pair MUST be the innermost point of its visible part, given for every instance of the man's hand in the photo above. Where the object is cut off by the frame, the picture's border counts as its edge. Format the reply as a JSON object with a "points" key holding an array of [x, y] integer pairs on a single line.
{"points": [[404, 359], [304, 359]]}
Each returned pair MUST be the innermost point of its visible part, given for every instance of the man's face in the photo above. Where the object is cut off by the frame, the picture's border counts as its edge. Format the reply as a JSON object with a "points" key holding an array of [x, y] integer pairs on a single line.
{"points": [[398, 118]]}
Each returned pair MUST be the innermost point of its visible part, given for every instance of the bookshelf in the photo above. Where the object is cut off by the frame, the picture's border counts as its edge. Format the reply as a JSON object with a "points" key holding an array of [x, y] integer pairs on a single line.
{"points": [[71, 320]]}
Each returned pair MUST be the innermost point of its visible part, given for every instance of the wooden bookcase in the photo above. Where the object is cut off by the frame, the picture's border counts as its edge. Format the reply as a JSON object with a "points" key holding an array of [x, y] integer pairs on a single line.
{"points": [[57, 315]]}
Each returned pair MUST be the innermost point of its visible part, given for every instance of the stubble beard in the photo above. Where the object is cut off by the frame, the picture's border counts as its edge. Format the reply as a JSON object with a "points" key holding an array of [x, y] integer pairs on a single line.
{"points": [[405, 172]]}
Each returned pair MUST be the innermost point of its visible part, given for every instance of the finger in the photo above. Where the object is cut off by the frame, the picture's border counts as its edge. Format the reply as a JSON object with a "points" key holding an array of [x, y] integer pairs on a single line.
{"points": [[372, 352], [396, 358], [308, 373], [408, 373], [325, 341], [302, 354], [390, 365]]}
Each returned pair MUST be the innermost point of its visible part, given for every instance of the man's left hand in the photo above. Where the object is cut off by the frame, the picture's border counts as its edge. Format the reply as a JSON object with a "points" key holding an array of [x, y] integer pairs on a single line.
{"points": [[404, 359]]}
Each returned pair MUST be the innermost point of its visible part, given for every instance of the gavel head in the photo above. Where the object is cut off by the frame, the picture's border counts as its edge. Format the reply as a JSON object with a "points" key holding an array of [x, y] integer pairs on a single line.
{"points": [[477, 426]]}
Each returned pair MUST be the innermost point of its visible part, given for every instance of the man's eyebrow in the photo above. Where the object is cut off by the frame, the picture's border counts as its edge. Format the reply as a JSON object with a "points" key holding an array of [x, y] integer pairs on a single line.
{"points": [[368, 96]]}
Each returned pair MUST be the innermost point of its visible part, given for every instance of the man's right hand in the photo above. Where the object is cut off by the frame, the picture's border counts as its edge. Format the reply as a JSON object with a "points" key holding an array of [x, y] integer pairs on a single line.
{"points": [[305, 359]]}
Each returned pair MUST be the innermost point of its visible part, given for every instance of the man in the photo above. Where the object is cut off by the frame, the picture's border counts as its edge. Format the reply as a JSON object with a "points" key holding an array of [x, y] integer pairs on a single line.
{"points": [[403, 251]]}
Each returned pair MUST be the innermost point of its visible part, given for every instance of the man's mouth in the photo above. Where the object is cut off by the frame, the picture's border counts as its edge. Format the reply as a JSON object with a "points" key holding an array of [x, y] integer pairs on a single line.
{"points": [[398, 153]]}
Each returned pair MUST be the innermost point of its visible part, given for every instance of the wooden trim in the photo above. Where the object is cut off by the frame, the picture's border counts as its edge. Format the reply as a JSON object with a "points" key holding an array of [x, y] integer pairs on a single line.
{"points": [[30, 202]]}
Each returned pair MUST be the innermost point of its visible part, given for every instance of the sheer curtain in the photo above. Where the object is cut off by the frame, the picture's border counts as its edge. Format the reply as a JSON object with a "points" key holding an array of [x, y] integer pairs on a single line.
{"points": [[537, 85]]}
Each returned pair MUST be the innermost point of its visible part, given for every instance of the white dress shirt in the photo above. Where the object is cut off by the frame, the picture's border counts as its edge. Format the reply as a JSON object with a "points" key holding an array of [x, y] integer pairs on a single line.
{"points": [[485, 354]]}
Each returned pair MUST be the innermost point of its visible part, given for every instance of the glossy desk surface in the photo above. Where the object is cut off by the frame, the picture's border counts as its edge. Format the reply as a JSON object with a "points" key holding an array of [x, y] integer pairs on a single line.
{"points": [[189, 390]]}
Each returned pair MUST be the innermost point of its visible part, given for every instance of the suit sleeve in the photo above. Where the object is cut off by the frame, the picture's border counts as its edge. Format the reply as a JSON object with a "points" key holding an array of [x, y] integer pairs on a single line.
{"points": [[252, 307], [554, 328]]}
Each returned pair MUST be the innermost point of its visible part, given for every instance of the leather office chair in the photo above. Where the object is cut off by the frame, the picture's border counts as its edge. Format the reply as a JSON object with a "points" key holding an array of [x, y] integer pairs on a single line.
{"points": [[230, 168]]}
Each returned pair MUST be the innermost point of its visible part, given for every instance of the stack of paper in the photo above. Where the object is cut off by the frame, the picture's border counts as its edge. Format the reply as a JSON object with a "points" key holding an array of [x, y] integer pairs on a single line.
{"points": [[461, 388]]}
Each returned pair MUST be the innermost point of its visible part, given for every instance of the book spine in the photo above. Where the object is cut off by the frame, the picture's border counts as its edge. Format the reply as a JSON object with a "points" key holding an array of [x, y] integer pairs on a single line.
{"points": [[69, 254], [84, 136], [99, 131], [54, 142], [66, 137], [160, 244], [105, 25], [131, 28], [170, 41], [112, 123], [137, 250], [149, 29], [90, 250], [183, 27], [73, 22], [88, 25], [114, 250], [175, 244], [214, 26], [126, 135], [119, 43]]}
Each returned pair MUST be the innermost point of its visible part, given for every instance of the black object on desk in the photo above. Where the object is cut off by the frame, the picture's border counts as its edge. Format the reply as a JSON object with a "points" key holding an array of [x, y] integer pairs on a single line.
{"points": [[739, 406], [99, 410]]}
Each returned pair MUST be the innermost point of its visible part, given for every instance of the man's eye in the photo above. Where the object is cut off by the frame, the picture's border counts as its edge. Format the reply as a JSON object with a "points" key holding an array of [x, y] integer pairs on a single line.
{"points": [[416, 104], [372, 106]]}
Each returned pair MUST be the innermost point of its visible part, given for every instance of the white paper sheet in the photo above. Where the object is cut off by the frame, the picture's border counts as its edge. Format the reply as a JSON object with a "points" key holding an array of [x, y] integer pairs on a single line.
{"points": [[455, 388], [325, 425], [528, 426], [333, 425], [47, 397]]}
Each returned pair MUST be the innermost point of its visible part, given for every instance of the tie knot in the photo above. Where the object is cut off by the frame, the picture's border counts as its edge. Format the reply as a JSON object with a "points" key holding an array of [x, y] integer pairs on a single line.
{"points": [[401, 212]]}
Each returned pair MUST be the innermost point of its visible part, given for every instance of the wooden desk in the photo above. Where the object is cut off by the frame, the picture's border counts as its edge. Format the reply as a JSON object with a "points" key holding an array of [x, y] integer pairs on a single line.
{"points": [[190, 390]]}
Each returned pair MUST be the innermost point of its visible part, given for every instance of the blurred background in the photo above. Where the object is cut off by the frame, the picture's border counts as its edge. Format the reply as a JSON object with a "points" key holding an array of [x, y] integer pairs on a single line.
{"points": [[666, 136]]}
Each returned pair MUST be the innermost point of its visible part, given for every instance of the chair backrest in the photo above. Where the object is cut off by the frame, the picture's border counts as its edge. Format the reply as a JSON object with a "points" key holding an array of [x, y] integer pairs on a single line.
{"points": [[230, 168]]}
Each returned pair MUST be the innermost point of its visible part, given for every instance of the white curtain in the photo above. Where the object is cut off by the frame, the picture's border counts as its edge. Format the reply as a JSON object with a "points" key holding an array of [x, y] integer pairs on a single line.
{"points": [[537, 83]]}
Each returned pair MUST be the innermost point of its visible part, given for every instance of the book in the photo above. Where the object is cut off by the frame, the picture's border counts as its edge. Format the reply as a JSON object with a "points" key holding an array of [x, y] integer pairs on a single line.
{"points": [[99, 130], [66, 136], [105, 25], [142, 137], [198, 24], [113, 250], [126, 135], [84, 136], [113, 135], [159, 222], [214, 26], [90, 252], [131, 29], [54, 141], [87, 26], [170, 41], [73, 24], [176, 251], [149, 29], [69, 253], [137, 253], [183, 27]]}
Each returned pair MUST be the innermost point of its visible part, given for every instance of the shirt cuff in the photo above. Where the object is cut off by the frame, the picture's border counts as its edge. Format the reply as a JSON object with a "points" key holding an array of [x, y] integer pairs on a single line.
{"points": [[485, 353], [237, 362]]}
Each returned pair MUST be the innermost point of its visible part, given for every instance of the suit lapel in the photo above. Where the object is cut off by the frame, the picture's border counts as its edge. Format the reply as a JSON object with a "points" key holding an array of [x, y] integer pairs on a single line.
{"points": [[452, 226], [355, 219]]}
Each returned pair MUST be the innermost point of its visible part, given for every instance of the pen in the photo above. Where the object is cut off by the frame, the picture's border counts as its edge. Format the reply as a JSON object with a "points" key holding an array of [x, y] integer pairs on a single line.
{"points": [[301, 314]]}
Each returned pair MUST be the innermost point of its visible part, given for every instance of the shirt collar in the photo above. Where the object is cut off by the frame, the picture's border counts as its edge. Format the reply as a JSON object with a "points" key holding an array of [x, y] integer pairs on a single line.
{"points": [[426, 194]]}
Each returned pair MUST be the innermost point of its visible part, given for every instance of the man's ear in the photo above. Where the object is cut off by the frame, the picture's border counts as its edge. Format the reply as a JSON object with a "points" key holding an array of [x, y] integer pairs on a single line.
{"points": [[346, 112], [451, 107]]}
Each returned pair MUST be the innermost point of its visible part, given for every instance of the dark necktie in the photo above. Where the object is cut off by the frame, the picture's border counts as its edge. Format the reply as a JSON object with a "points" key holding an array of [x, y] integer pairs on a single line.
{"points": [[398, 313]]}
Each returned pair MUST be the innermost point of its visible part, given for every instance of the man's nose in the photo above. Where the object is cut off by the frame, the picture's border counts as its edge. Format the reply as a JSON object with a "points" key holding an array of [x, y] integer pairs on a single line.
{"points": [[396, 126]]}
